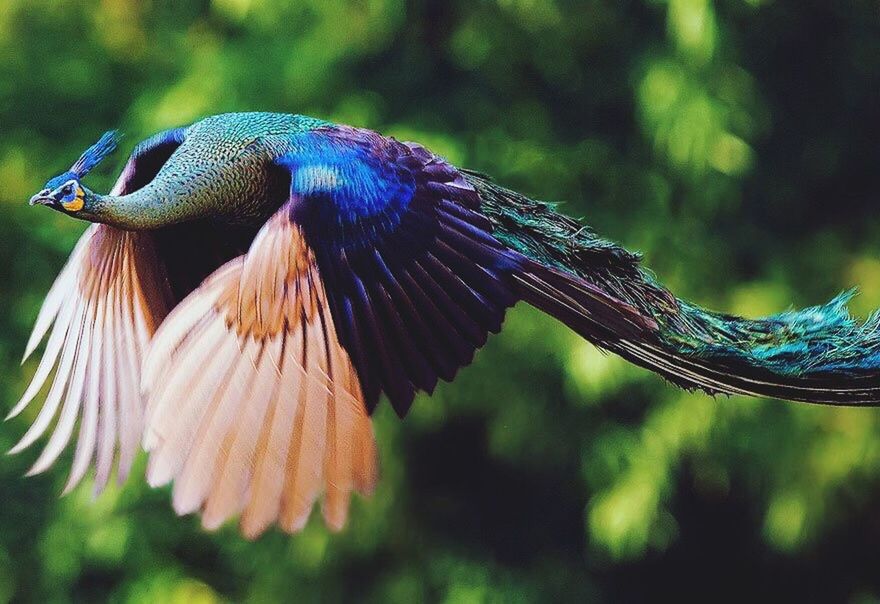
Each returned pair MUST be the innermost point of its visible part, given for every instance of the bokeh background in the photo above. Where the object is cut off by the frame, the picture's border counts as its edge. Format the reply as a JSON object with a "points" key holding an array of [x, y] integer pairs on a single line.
{"points": [[734, 142]]}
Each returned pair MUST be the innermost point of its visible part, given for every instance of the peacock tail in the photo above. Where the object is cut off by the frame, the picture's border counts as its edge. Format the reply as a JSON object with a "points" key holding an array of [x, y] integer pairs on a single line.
{"points": [[819, 354]]}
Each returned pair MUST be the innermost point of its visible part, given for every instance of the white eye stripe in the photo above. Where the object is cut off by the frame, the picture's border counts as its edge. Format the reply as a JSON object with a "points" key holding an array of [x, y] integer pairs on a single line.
{"points": [[68, 190]]}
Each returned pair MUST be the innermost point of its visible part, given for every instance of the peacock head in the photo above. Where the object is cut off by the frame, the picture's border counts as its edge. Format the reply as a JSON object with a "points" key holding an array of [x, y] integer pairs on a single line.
{"points": [[65, 192]]}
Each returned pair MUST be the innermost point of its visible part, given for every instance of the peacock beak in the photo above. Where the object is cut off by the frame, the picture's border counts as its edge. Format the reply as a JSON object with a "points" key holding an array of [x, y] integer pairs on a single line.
{"points": [[41, 199]]}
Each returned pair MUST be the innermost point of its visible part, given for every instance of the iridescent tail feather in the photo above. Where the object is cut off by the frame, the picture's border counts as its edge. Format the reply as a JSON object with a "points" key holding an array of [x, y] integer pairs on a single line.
{"points": [[817, 355]]}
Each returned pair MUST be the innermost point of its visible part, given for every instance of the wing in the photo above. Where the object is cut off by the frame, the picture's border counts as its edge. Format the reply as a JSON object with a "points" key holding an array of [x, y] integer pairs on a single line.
{"points": [[102, 311], [414, 277], [253, 406], [377, 275]]}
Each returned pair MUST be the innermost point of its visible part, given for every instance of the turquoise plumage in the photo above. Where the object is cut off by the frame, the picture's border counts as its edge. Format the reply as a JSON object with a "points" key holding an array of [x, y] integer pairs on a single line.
{"points": [[255, 282], [819, 354]]}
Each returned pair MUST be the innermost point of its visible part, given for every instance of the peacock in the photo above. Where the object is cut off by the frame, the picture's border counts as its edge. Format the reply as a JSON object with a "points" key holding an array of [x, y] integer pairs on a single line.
{"points": [[255, 283]]}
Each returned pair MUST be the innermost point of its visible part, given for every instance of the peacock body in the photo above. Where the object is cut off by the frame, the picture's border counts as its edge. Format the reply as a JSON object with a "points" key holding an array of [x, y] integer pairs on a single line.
{"points": [[255, 282]]}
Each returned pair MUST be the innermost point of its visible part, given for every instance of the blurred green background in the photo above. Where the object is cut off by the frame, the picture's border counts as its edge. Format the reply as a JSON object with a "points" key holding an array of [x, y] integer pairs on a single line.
{"points": [[732, 141]]}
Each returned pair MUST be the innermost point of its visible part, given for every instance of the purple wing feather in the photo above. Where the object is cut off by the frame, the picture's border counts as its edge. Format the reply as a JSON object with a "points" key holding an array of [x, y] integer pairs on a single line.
{"points": [[416, 280]]}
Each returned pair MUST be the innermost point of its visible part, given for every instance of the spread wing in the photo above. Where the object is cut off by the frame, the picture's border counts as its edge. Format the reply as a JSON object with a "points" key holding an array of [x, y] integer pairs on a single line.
{"points": [[254, 407], [376, 275], [414, 277], [100, 313]]}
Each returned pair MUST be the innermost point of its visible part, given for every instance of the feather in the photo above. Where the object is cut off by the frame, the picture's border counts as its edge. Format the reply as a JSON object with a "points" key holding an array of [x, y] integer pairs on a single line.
{"points": [[47, 363], [108, 422], [201, 373], [269, 465], [85, 445], [54, 301], [271, 416], [96, 153], [199, 467], [227, 496], [100, 321], [415, 277], [601, 291], [72, 400]]}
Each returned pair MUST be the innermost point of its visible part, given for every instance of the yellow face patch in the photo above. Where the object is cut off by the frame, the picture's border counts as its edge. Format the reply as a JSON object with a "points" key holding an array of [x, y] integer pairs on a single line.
{"points": [[75, 204]]}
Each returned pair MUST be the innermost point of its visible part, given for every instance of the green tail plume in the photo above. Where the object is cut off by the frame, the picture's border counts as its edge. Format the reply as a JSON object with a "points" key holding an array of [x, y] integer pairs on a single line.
{"points": [[819, 354]]}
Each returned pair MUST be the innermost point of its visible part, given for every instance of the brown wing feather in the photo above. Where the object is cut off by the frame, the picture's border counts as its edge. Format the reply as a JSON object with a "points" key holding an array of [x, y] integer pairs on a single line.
{"points": [[102, 311], [253, 406]]}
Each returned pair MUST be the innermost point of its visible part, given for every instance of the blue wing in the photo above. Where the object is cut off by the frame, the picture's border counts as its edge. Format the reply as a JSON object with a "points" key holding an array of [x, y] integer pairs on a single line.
{"points": [[415, 279]]}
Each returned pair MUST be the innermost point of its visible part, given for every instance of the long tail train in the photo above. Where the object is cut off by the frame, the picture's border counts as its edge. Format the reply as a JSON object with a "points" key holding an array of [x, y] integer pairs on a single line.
{"points": [[816, 355]]}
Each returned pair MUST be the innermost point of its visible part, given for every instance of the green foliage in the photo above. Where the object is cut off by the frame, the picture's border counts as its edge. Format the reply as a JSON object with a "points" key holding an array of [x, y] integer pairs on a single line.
{"points": [[732, 141]]}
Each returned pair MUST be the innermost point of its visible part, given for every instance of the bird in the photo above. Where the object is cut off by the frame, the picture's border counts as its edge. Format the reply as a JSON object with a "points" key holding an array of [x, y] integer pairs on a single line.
{"points": [[255, 283]]}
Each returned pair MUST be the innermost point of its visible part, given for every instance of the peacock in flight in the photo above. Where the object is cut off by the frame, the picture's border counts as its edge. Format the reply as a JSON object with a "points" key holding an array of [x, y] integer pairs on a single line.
{"points": [[255, 282]]}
